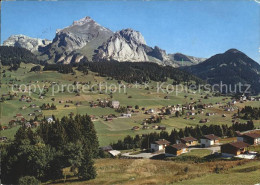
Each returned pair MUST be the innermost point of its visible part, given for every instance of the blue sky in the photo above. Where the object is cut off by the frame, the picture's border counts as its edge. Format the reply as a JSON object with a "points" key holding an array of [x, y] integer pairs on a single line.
{"points": [[197, 28]]}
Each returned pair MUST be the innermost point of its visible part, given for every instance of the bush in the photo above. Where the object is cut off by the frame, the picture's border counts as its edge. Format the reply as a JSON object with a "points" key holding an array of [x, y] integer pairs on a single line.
{"points": [[187, 159], [28, 180], [36, 68]]}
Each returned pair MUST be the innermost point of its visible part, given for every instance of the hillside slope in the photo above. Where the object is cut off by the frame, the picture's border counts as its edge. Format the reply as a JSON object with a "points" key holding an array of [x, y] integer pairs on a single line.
{"points": [[230, 68]]}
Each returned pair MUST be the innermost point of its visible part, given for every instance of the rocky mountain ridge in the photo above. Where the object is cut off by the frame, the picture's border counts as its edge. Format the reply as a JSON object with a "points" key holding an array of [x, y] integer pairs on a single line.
{"points": [[88, 40], [124, 45], [23, 41], [231, 67]]}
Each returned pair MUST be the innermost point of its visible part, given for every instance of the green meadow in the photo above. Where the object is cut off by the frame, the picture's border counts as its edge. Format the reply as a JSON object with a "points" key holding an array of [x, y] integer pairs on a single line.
{"points": [[133, 94]]}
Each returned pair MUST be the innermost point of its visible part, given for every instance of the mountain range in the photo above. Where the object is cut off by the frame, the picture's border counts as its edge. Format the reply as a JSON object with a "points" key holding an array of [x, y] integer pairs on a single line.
{"points": [[86, 39]]}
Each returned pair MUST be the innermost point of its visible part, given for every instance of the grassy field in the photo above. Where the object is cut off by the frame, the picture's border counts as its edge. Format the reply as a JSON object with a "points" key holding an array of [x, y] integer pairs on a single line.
{"points": [[145, 171], [198, 153], [246, 174], [129, 171], [118, 128]]}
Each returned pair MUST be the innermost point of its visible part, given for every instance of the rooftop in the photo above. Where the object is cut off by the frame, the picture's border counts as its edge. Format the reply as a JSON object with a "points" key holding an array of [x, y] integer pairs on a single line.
{"points": [[252, 135], [211, 137], [162, 142], [239, 144], [179, 146], [187, 139]]}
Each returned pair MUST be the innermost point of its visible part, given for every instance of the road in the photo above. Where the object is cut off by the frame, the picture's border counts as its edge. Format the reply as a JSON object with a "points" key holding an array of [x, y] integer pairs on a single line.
{"points": [[149, 155], [143, 155]]}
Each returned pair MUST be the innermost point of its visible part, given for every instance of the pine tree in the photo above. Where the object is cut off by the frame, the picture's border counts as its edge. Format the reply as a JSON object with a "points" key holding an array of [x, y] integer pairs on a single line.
{"points": [[173, 137], [219, 131], [164, 135], [86, 170], [199, 132], [187, 132], [20, 135], [230, 132], [181, 133]]}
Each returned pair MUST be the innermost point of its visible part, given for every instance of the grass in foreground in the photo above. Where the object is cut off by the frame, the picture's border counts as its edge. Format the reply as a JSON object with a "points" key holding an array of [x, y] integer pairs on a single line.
{"points": [[145, 171], [198, 153], [247, 174]]}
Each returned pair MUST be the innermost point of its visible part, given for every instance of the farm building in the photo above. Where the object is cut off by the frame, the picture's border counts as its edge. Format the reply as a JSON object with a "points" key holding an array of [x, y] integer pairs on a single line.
{"points": [[210, 114], [135, 128], [204, 120], [161, 128], [150, 111], [189, 141], [19, 116], [176, 149], [159, 145], [106, 148], [249, 138], [209, 140], [235, 148], [191, 113], [3, 138], [110, 150], [126, 115]]}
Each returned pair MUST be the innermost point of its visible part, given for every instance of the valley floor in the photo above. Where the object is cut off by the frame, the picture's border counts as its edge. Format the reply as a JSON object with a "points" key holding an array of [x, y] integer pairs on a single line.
{"points": [[108, 131]]}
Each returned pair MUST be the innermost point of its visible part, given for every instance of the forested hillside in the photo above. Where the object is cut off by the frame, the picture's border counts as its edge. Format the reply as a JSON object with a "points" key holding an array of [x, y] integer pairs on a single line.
{"points": [[14, 56], [140, 72]]}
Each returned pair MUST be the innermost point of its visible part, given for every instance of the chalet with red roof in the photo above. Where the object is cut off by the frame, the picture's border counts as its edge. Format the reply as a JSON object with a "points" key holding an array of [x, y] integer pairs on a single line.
{"points": [[250, 138], [176, 149], [234, 148], [189, 141]]}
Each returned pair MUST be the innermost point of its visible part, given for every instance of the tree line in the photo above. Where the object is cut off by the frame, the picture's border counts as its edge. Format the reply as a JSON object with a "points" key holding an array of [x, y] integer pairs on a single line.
{"points": [[13, 56], [48, 106], [130, 72], [42, 155], [61, 68], [197, 132]]}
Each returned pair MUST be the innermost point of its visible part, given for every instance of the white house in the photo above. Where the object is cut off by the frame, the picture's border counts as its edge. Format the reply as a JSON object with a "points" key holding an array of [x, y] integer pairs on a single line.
{"points": [[159, 145], [126, 115], [234, 101], [243, 98], [28, 125], [49, 119], [151, 111], [191, 113], [115, 104], [209, 140]]}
